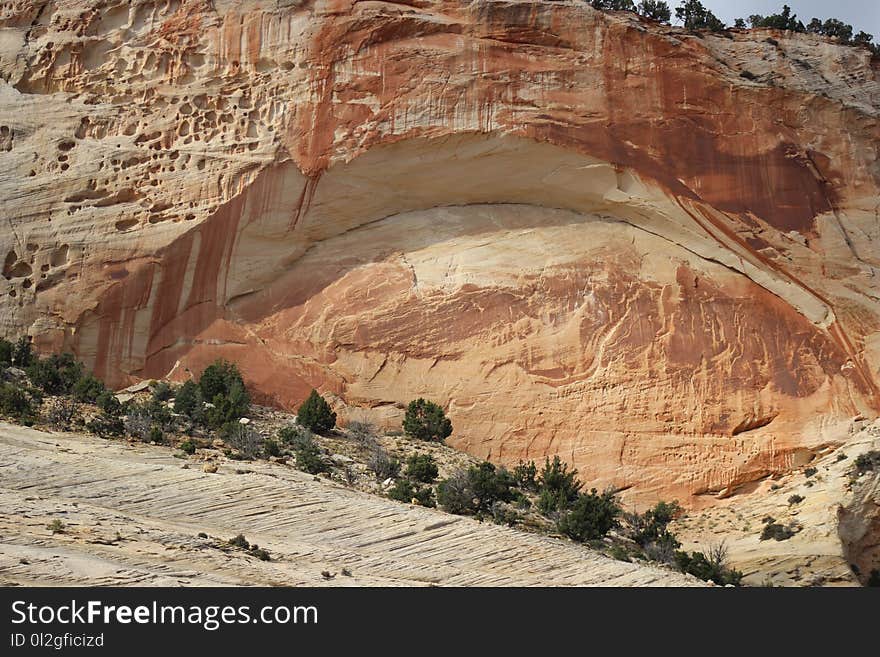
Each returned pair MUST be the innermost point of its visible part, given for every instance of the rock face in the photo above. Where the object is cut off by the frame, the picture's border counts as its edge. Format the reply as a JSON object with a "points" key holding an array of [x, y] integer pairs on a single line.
{"points": [[648, 251]]}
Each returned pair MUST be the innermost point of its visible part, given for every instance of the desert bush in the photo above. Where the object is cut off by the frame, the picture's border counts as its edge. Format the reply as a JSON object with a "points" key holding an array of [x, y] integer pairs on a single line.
{"points": [[162, 392], [426, 420], [490, 485], [294, 435], [229, 407], [591, 516], [455, 494], [187, 447], [696, 17], [655, 10], [710, 567], [422, 468], [867, 462], [315, 413], [222, 385], [88, 389], [56, 374], [503, 514], [309, 455], [405, 490], [650, 531], [243, 438], [476, 489], [15, 403], [361, 431], [525, 476], [6, 348], [56, 526], [140, 418], [188, 401], [23, 353], [63, 413], [155, 435], [809, 472], [109, 404], [558, 488], [777, 532], [795, 499], [271, 448], [219, 378], [382, 464], [110, 422]]}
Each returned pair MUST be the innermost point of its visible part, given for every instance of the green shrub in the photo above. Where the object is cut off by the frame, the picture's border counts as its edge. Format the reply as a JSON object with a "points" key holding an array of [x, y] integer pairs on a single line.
{"points": [[426, 420], [867, 462], [309, 456], [455, 494], [795, 499], [711, 567], [155, 435], [525, 475], [422, 468], [405, 490], [655, 10], [187, 447], [108, 403], [56, 526], [361, 431], [219, 378], [476, 489], [294, 435], [229, 407], [56, 374], [650, 531], [696, 17], [490, 484], [558, 488], [591, 516], [106, 425], [88, 389], [809, 472], [221, 383], [502, 514], [188, 401], [315, 413], [23, 353], [6, 348], [271, 448], [109, 423], [162, 392], [15, 403]]}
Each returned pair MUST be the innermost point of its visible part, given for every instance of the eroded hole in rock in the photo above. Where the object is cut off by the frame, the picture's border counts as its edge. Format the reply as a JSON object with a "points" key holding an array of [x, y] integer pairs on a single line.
{"points": [[6, 138], [126, 224], [59, 256]]}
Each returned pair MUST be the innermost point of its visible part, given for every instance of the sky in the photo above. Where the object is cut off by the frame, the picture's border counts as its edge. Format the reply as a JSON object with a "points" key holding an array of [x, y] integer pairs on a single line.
{"points": [[861, 14]]}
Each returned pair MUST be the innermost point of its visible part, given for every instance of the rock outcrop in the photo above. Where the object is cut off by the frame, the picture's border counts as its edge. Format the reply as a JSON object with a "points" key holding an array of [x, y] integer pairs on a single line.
{"points": [[649, 251]]}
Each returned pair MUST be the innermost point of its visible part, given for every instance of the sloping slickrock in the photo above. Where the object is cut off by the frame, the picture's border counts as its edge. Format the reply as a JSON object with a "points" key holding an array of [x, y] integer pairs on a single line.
{"points": [[132, 516]]}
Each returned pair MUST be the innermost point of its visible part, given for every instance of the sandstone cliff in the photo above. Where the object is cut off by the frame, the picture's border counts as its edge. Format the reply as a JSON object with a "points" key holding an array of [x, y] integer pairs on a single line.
{"points": [[648, 251]]}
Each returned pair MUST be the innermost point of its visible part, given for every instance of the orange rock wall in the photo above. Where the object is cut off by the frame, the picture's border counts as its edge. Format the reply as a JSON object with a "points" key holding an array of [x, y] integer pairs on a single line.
{"points": [[649, 251]]}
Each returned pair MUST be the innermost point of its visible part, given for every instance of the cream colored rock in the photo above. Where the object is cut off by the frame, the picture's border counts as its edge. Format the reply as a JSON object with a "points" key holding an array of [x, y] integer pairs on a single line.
{"points": [[157, 511], [585, 234]]}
